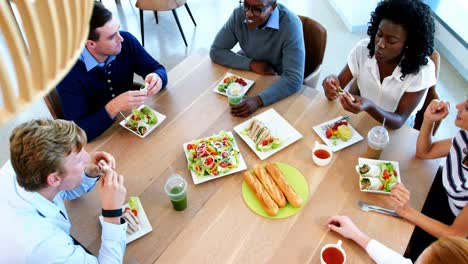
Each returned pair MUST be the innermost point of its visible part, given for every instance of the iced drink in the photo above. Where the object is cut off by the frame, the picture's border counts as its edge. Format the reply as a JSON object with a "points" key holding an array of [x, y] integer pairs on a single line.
{"points": [[377, 140]]}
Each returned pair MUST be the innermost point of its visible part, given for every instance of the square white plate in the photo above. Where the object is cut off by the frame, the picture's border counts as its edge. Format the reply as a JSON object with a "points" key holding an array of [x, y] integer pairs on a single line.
{"points": [[340, 144], [362, 161], [242, 166], [279, 128], [159, 116], [244, 88], [145, 225]]}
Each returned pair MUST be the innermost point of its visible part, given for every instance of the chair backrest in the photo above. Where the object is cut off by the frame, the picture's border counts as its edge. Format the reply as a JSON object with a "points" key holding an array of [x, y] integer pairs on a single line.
{"points": [[159, 5], [53, 103], [315, 41], [431, 95]]}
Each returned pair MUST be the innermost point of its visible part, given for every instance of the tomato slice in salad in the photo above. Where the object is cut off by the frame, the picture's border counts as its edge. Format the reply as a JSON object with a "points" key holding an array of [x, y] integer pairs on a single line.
{"points": [[209, 162], [223, 164]]}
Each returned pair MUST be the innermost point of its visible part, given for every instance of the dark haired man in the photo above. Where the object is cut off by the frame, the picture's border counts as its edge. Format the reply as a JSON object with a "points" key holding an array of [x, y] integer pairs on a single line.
{"points": [[272, 42], [100, 85]]}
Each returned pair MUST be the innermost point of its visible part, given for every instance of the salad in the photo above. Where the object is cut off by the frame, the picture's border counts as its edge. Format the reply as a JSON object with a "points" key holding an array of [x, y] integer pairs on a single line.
{"points": [[229, 80], [261, 136], [140, 120], [215, 155], [388, 176], [339, 130]]}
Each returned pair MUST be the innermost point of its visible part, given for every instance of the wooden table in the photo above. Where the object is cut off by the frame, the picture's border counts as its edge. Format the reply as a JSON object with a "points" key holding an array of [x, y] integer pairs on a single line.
{"points": [[217, 227]]}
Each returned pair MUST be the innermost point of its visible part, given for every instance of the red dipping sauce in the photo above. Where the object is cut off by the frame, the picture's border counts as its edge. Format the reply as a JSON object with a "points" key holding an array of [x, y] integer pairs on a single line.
{"points": [[332, 255], [321, 154]]}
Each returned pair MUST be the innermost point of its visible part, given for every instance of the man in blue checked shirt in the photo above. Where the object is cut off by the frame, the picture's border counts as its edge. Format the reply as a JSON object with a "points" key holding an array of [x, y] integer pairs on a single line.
{"points": [[49, 165]]}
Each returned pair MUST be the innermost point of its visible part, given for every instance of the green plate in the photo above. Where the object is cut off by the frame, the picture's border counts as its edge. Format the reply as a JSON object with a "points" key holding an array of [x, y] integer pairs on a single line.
{"points": [[297, 181]]}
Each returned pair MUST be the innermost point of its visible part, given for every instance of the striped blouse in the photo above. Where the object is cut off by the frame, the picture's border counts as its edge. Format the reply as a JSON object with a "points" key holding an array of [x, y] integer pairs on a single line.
{"points": [[455, 174]]}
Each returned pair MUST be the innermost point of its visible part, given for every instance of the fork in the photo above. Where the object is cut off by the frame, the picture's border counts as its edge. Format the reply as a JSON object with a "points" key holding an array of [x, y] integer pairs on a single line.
{"points": [[370, 207], [325, 127]]}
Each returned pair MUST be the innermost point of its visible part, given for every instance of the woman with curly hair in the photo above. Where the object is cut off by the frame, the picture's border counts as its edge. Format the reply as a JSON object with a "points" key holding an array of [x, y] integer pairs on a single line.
{"points": [[391, 68]]}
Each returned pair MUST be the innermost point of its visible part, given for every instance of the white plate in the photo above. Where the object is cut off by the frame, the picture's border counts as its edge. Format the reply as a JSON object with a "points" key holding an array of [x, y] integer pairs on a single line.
{"points": [[279, 128], [145, 225], [362, 161], [159, 116], [244, 88], [242, 166], [340, 144]]}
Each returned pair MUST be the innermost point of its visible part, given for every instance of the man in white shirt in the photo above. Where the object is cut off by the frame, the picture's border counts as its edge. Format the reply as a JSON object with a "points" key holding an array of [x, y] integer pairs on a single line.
{"points": [[49, 165]]}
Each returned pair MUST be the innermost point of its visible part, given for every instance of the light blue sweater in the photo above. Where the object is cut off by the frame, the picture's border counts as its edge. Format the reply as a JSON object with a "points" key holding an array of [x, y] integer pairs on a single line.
{"points": [[282, 48]]}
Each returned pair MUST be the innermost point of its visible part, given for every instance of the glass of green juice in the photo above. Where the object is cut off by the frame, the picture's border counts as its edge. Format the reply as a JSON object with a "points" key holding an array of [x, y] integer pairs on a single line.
{"points": [[234, 94], [176, 190]]}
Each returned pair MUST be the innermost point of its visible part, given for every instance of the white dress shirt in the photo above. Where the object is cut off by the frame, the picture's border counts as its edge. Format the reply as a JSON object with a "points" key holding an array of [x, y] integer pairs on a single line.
{"points": [[384, 255], [386, 94], [36, 230]]}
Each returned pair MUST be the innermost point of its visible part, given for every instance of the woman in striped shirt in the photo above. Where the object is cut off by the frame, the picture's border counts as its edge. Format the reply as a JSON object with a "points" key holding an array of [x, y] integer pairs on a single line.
{"points": [[444, 213]]}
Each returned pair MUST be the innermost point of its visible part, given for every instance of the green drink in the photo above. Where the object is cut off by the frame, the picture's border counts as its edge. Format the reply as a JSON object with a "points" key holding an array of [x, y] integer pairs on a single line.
{"points": [[181, 203], [176, 190], [234, 94]]}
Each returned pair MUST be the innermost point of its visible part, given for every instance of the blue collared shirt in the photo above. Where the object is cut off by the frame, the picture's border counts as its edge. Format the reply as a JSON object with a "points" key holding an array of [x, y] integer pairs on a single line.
{"points": [[39, 230], [90, 62], [273, 20]]}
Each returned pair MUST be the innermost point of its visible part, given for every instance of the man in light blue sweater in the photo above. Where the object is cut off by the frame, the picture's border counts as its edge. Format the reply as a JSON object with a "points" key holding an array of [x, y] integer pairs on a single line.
{"points": [[272, 42]]}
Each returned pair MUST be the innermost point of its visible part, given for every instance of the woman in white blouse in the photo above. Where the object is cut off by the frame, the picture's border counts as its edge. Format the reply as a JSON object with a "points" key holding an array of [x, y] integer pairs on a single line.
{"points": [[392, 68], [444, 250]]}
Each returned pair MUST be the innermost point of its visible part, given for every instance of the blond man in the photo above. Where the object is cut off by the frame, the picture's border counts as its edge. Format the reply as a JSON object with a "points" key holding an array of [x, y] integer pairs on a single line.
{"points": [[49, 165]]}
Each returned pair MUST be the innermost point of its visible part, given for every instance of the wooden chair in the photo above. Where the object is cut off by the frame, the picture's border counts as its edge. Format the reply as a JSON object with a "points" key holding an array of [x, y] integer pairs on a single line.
{"points": [[162, 5], [431, 94], [315, 41], [53, 103]]}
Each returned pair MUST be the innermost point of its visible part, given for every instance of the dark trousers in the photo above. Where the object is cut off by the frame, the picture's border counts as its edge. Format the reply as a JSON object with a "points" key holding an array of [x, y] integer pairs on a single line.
{"points": [[436, 207]]}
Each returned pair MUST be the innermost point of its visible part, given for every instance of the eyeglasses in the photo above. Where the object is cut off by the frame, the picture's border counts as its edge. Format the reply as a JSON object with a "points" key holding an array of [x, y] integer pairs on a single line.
{"points": [[256, 10]]}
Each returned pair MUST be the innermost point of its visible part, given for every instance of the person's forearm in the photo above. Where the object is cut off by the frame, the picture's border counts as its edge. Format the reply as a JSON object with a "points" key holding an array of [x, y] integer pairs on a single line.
{"points": [[424, 143], [431, 226], [362, 240], [392, 120]]}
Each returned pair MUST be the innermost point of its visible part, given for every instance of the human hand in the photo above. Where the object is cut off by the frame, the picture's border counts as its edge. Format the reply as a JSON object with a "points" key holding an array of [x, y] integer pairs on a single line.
{"points": [[354, 103], [436, 110], [399, 199], [344, 226], [247, 107], [330, 85], [125, 101], [111, 188], [93, 169], [262, 67], [154, 82]]}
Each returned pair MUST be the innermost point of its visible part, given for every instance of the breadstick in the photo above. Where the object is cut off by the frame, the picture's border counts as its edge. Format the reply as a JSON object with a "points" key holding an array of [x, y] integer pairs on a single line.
{"points": [[270, 185], [268, 204], [277, 175]]}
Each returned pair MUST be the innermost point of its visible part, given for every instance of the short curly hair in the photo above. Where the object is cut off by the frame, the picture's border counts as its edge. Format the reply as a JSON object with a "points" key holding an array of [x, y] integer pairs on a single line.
{"points": [[415, 17]]}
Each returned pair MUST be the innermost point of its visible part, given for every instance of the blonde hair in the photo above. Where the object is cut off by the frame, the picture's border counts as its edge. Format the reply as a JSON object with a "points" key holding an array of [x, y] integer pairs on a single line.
{"points": [[448, 250], [39, 147]]}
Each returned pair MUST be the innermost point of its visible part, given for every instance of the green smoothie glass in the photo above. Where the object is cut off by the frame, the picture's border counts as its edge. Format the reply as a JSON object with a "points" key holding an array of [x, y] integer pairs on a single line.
{"points": [[176, 190], [234, 94]]}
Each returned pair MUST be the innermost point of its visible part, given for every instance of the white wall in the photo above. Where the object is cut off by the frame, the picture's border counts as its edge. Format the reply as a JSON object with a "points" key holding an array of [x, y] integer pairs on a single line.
{"points": [[451, 49]]}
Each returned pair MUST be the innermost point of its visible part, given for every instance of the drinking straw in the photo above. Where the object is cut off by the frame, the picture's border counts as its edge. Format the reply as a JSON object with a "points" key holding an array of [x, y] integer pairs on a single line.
{"points": [[383, 123]]}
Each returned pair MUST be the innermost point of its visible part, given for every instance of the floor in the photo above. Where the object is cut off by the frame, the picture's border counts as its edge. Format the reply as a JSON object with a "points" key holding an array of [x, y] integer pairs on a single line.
{"points": [[165, 43]]}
